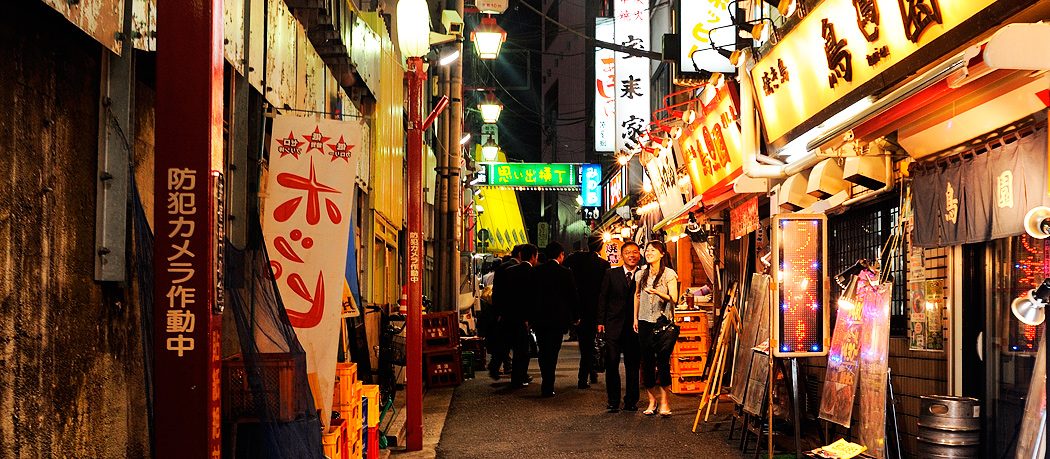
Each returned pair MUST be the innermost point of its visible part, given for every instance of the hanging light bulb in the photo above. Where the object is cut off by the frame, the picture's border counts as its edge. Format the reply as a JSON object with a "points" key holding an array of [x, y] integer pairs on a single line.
{"points": [[1030, 308], [490, 151], [490, 108], [488, 38]]}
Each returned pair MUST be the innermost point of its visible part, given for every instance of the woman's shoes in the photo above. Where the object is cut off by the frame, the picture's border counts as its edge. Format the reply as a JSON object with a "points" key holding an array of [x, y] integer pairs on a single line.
{"points": [[649, 411], [665, 413]]}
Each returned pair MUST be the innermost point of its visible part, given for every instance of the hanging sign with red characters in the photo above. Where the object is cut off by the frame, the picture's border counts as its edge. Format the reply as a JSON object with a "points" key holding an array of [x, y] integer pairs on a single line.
{"points": [[306, 224]]}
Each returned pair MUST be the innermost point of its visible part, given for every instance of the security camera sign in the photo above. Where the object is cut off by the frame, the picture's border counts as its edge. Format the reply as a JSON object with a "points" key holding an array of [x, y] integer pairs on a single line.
{"points": [[492, 6]]}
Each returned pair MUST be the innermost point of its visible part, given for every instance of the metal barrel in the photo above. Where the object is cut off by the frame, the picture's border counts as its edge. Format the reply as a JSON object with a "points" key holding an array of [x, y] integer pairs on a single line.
{"points": [[949, 427]]}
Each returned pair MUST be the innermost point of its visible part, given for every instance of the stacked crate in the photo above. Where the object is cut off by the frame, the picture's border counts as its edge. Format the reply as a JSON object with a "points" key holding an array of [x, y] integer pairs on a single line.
{"points": [[334, 440], [690, 352], [347, 402], [370, 426], [441, 357]]}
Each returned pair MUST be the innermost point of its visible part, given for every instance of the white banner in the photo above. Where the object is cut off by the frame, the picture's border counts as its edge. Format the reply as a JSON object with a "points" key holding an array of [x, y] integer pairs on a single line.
{"points": [[704, 25], [605, 87], [663, 175], [632, 74], [306, 223]]}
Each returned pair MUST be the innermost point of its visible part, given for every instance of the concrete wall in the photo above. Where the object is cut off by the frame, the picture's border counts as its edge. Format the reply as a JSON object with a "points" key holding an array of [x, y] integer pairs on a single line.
{"points": [[71, 363]]}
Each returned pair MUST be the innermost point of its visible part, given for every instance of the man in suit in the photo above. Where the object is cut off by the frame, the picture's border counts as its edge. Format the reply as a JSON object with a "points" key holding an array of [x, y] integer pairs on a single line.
{"points": [[616, 319], [519, 297], [499, 347], [554, 311], [588, 269]]}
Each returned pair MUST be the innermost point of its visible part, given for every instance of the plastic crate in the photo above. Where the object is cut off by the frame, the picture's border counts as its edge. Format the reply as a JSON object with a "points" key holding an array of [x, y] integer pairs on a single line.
{"points": [[371, 443], [277, 378], [334, 441], [440, 330], [443, 369], [692, 347], [688, 366], [355, 449], [345, 377], [467, 360], [687, 385], [370, 402]]}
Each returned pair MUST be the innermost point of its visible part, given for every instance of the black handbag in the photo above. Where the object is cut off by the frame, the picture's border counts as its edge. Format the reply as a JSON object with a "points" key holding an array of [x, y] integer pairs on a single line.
{"points": [[599, 352], [665, 335]]}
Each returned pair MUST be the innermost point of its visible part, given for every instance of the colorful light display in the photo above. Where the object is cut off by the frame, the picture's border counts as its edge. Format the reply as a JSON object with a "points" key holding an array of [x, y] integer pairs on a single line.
{"points": [[800, 324]]}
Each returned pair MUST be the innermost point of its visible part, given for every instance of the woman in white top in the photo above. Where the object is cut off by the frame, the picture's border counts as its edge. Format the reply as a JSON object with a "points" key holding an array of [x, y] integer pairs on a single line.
{"points": [[654, 301]]}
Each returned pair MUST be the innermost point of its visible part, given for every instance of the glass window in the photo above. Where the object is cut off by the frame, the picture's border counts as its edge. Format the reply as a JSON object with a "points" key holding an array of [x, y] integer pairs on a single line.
{"points": [[1022, 263]]}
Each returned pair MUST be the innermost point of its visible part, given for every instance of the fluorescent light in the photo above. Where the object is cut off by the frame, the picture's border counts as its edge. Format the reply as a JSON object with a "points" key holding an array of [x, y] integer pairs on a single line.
{"points": [[465, 139], [449, 58]]}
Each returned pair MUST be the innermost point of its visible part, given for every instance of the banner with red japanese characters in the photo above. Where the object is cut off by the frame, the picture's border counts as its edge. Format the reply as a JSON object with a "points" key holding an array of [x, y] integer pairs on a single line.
{"points": [[306, 223]]}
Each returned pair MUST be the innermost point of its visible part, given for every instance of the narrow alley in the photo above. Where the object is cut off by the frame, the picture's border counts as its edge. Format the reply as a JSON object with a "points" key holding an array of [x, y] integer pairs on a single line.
{"points": [[488, 419]]}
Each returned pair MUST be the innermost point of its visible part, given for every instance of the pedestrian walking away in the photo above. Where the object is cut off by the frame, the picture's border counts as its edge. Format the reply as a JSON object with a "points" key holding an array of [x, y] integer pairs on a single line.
{"points": [[588, 269], [497, 340], [554, 311], [616, 322], [520, 300], [655, 296]]}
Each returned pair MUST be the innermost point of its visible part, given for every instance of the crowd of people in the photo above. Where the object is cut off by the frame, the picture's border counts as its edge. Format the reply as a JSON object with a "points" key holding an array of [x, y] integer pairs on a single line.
{"points": [[624, 306]]}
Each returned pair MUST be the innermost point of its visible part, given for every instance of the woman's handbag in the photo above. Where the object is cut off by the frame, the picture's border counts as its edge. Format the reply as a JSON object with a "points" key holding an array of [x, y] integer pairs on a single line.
{"points": [[665, 335]]}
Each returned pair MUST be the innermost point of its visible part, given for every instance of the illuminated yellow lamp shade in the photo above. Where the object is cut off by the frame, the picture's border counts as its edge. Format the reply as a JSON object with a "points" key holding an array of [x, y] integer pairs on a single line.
{"points": [[488, 38], [786, 7], [490, 109], [866, 171], [413, 27], [793, 196], [490, 151], [502, 217], [826, 179]]}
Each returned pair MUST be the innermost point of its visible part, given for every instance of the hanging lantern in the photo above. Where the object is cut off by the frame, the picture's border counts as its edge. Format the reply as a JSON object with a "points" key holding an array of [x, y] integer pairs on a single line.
{"points": [[488, 38]]}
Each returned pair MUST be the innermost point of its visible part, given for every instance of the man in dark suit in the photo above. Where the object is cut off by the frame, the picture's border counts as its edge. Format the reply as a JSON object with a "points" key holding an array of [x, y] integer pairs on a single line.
{"points": [[499, 347], [554, 311], [616, 319], [588, 269], [519, 298]]}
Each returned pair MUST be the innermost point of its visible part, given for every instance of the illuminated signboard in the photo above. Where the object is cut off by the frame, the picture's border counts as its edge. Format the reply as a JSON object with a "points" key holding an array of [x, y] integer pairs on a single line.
{"points": [[702, 25], [663, 175], [615, 189], [711, 146], [856, 41], [800, 324], [531, 175], [605, 87], [591, 185], [632, 74]]}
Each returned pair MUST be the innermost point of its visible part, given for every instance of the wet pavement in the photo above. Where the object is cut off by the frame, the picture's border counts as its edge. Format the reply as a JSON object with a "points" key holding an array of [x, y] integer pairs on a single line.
{"points": [[488, 419]]}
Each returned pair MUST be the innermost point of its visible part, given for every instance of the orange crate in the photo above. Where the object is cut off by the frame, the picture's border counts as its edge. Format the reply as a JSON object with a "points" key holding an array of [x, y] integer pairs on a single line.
{"points": [[345, 383], [687, 385], [370, 392], [279, 375], [693, 328], [354, 451], [692, 347], [334, 441], [688, 366]]}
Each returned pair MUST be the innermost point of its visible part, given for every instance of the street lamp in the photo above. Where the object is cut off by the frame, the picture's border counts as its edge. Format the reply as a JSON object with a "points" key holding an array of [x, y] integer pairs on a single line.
{"points": [[413, 36], [488, 38], [490, 109], [490, 151]]}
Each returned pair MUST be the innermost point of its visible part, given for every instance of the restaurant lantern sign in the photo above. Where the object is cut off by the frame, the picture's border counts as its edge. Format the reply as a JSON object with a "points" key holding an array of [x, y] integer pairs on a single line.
{"points": [[865, 46]]}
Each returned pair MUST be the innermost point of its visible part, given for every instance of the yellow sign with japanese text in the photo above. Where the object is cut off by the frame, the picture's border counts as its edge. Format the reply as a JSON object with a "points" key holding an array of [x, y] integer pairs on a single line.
{"points": [[711, 146], [841, 46]]}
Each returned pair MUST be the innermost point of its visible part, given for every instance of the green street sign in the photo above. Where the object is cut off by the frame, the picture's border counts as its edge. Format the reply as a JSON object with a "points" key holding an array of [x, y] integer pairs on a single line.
{"points": [[532, 175]]}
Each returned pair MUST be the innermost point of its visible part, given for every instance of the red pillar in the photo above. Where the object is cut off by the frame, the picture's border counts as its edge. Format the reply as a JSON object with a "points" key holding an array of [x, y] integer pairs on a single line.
{"points": [[188, 224], [414, 340]]}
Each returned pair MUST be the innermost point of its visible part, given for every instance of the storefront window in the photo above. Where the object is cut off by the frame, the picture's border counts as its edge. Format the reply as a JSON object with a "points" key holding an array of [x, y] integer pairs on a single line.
{"points": [[1022, 263]]}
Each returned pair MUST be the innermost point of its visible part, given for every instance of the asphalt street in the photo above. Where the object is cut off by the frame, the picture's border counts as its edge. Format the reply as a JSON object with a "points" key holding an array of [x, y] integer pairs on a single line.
{"points": [[488, 419]]}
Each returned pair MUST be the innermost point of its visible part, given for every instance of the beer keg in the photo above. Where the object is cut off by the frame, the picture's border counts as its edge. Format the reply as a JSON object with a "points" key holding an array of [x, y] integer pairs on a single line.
{"points": [[949, 427]]}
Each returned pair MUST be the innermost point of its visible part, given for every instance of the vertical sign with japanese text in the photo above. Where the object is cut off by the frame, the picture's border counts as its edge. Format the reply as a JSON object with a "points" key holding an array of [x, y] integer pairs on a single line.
{"points": [[187, 246], [663, 175], [591, 185], [632, 74], [712, 145], [306, 224], [605, 87]]}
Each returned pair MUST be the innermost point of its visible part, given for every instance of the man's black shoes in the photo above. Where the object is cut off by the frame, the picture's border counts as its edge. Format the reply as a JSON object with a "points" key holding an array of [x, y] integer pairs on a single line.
{"points": [[630, 407], [583, 385], [612, 408]]}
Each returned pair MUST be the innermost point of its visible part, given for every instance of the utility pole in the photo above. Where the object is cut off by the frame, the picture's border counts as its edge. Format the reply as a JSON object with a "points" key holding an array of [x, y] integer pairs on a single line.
{"points": [[455, 182], [441, 220]]}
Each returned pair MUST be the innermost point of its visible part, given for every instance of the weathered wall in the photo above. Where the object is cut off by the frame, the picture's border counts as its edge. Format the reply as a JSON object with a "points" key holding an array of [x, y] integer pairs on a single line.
{"points": [[71, 366]]}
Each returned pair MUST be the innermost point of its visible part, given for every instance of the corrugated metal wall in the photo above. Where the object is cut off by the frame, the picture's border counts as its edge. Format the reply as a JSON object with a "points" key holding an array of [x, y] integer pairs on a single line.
{"points": [[388, 132]]}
